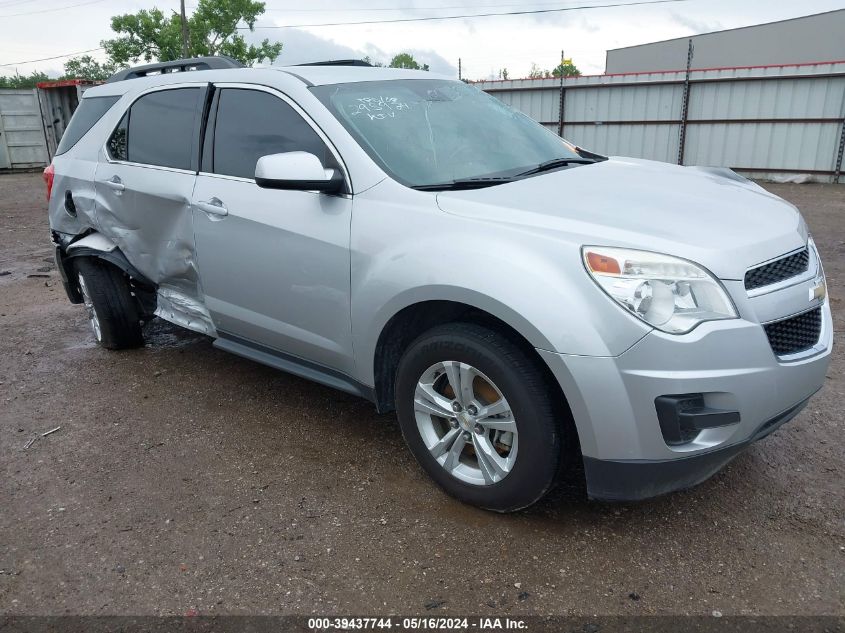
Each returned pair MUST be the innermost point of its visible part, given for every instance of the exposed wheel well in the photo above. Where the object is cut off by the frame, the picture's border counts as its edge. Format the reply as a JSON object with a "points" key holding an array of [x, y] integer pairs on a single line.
{"points": [[414, 320], [143, 291]]}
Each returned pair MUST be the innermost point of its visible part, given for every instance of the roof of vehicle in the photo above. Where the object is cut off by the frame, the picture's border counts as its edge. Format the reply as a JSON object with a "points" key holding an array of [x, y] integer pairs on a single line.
{"points": [[309, 75]]}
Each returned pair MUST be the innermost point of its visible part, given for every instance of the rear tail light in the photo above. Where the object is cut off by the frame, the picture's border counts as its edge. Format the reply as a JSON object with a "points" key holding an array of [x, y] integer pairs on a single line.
{"points": [[49, 173]]}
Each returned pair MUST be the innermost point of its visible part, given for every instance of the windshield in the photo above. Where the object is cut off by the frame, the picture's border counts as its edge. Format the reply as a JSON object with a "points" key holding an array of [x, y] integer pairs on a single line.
{"points": [[426, 132]]}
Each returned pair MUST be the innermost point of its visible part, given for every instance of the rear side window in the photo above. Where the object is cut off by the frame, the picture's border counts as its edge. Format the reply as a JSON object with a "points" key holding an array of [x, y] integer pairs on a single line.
{"points": [[251, 124], [90, 111], [117, 143], [159, 129]]}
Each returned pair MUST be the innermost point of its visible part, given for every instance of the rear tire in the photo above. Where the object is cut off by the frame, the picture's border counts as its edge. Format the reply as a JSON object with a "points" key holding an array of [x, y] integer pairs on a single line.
{"points": [[501, 377], [112, 310]]}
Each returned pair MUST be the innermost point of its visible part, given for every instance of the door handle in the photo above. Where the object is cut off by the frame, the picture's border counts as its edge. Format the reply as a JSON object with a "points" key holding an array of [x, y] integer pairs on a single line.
{"points": [[213, 207], [115, 183]]}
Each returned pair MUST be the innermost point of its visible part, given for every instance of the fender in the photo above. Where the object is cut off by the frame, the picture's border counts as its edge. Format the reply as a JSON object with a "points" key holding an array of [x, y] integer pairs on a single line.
{"points": [[101, 247], [406, 249], [92, 242]]}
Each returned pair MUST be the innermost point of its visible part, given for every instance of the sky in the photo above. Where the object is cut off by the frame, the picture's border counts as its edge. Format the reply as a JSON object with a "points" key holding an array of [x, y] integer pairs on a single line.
{"points": [[36, 29]]}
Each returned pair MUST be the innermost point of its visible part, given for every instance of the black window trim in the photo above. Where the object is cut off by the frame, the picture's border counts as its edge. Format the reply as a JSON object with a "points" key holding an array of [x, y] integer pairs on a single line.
{"points": [[126, 115], [195, 153], [211, 121], [207, 131]]}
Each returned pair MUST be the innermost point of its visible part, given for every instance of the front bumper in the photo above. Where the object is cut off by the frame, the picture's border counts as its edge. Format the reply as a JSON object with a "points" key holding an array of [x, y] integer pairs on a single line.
{"points": [[612, 399], [635, 480]]}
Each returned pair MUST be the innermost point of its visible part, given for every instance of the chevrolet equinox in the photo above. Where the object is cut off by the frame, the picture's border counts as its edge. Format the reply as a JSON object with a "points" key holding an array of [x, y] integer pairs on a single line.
{"points": [[523, 304]]}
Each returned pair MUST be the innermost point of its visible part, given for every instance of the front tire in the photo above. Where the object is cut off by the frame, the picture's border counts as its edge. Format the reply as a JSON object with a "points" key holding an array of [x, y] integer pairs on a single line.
{"points": [[476, 413], [112, 310]]}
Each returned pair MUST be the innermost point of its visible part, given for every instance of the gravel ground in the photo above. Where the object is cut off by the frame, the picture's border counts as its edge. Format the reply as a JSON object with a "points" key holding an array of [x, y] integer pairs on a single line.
{"points": [[184, 479]]}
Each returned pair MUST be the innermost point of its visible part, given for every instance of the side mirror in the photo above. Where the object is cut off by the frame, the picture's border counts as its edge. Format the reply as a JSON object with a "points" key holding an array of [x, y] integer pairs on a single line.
{"points": [[299, 171]]}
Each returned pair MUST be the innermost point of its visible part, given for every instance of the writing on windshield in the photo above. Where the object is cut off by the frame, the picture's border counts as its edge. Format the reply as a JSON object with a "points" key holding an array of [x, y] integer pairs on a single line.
{"points": [[428, 131]]}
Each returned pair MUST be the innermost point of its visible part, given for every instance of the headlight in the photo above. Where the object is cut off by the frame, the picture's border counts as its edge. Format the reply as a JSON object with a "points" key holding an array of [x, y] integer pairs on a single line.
{"points": [[671, 294], [819, 291]]}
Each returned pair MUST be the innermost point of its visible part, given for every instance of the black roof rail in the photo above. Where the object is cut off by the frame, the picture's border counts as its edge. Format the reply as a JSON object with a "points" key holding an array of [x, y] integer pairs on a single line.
{"points": [[339, 62], [176, 66]]}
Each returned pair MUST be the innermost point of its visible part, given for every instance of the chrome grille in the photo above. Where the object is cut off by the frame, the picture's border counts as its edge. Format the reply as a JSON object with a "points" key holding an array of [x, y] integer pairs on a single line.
{"points": [[778, 270]]}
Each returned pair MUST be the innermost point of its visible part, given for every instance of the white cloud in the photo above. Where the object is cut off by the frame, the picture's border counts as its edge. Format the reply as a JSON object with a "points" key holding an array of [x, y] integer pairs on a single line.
{"points": [[484, 44], [301, 46], [696, 26]]}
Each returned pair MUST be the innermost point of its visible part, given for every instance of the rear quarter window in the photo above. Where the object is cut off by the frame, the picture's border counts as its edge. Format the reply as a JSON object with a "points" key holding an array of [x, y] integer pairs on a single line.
{"points": [[90, 110]]}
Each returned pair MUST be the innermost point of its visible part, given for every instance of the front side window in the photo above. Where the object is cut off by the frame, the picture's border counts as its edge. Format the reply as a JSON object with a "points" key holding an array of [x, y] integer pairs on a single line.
{"points": [[429, 131], [251, 124], [90, 111], [159, 129]]}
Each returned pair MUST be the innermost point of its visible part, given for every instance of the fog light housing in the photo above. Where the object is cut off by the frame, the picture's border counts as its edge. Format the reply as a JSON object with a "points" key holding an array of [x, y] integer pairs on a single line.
{"points": [[682, 417]]}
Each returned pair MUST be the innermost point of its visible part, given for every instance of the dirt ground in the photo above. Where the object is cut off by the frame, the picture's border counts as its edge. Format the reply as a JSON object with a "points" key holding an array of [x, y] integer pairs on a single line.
{"points": [[184, 478]]}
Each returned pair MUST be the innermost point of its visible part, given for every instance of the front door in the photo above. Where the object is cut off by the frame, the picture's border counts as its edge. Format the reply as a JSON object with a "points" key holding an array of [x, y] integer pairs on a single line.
{"points": [[274, 265]]}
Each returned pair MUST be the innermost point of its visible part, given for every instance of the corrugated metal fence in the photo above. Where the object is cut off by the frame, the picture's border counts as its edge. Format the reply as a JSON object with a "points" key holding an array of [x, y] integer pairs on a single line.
{"points": [[33, 120], [768, 122], [773, 122], [22, 143]]}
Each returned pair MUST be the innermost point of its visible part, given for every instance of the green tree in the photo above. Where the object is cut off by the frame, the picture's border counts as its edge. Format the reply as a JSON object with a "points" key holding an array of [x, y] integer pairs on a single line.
{"points": [[86, 67], [23, 81], [212, 30], [406, 60], [538, 73], [568, 70], [372, 62]]}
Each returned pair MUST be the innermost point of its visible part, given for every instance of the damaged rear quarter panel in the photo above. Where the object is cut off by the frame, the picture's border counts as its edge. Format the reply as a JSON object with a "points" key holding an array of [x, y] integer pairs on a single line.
{"points": [[77, 177]]}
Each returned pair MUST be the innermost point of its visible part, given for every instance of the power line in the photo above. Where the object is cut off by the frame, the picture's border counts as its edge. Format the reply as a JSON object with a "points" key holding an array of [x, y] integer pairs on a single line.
{"points": [[10, 3], [470, 15], [47, 59], [422, 19], [70, 6], [431, 8]]}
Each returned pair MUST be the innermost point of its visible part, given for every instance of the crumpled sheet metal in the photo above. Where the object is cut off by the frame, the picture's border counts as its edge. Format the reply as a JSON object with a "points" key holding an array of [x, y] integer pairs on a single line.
{"points": [[158, 242], [156, 236], [177, 307], [85, 206]]}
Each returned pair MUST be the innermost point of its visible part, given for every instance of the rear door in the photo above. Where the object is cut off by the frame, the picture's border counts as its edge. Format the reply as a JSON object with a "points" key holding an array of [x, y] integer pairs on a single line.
{"points": [[274, 264], [145, 183]]}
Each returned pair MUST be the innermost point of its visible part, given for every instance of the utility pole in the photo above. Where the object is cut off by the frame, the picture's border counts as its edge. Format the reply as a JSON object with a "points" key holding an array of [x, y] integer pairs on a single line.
{"points": [[562, 97], [685, 104], [184, 31], [459, 69]]}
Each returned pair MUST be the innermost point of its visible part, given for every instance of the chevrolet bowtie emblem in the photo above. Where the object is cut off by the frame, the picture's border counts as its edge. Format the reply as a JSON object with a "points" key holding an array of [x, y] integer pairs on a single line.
{"points": [[819, 291]]}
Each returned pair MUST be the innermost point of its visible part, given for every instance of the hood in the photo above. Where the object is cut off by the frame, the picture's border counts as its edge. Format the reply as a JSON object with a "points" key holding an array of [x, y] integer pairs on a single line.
{"points": [[708, 215]]}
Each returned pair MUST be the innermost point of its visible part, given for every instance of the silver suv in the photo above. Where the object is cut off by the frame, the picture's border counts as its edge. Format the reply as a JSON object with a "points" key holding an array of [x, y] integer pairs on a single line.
{"points": [[524, 305]]}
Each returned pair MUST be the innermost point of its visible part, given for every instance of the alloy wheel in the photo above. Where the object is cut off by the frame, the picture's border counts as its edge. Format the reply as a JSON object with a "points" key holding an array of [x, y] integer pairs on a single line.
{"points": [[466, 423], [89, 308]]}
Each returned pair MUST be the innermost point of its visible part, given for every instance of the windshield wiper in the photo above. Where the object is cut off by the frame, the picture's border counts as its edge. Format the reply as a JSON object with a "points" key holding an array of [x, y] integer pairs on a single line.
{"points": [[489, 181], [555, 163], [464, 183]]}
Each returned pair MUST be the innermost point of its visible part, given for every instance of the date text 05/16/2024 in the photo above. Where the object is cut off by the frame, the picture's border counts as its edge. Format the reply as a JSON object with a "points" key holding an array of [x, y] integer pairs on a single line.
{"points": [[417, 624]]}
